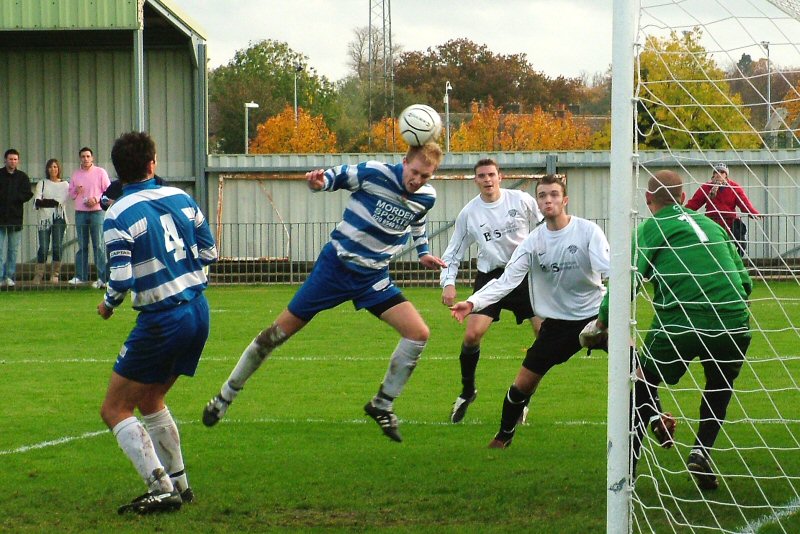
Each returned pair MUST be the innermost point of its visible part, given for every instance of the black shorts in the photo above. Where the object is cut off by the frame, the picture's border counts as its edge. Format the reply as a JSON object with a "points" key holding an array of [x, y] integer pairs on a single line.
{"points": [[518, 301], [557, 342]]}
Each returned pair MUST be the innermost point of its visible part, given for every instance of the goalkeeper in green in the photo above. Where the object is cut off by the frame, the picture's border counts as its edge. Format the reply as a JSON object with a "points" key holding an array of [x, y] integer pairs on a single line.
{"points": [[700, 298]]}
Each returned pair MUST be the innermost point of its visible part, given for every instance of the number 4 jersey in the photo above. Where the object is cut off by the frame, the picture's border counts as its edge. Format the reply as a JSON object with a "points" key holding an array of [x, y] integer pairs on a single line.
{"points": [[158, 242]]}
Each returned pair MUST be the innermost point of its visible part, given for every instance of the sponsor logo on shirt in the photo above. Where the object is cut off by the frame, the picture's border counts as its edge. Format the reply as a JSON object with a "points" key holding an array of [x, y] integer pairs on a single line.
{"points": [[392, 216]]}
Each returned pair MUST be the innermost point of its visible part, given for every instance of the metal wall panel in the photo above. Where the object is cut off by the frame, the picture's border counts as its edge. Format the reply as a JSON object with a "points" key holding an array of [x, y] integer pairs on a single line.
{"points": [[67, 100], [272, 200], [68, 14], [170, 113]]}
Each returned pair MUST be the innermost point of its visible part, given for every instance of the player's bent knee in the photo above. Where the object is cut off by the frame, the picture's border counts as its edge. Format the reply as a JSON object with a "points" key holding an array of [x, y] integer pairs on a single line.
{"points": [[422, 335], [473, 339]]}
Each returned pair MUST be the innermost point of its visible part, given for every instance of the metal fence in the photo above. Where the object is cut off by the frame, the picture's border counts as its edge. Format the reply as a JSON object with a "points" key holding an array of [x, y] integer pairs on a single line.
{"points": [[277, 253]]}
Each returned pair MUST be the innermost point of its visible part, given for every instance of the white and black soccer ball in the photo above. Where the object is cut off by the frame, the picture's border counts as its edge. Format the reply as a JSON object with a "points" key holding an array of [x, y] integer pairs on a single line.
{"points": [[419, 124]]}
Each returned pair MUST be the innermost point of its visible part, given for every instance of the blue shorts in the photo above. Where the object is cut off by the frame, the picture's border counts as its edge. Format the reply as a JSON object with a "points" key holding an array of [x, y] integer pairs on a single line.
{"points": [[331, 283], [165, 343]]}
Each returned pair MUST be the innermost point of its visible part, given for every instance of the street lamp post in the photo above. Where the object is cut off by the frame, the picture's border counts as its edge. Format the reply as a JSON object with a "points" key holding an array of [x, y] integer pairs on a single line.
{"points": [[447, 89], [765, 44], [298, 67], [247, 107]]}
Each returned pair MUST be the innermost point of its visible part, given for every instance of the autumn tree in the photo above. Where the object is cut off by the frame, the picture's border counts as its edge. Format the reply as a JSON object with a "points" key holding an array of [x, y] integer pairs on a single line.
{"points": [[476, 73], [490, 130], [544, 131], [791, 101], [384, 136], [280, 134], [263, 73], [685, 102], [481, 132]]}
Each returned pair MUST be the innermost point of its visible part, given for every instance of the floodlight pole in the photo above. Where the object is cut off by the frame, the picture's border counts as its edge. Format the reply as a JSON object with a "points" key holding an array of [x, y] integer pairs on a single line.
{"points": [[447, 89], [298, 67], [247, 107]]}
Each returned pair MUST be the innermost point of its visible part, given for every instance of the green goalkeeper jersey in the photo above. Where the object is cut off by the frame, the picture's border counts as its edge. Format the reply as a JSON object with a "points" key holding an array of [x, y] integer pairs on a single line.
{"points": [[692, 264]]}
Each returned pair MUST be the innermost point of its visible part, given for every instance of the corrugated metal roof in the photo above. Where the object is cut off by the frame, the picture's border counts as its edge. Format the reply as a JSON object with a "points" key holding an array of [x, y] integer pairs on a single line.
{"points": [[179, 17], [69, 15], [33, 15]]}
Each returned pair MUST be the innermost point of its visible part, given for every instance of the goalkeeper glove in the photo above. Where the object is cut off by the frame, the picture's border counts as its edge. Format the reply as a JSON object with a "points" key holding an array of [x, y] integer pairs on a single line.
{"points": [[592, 337]]}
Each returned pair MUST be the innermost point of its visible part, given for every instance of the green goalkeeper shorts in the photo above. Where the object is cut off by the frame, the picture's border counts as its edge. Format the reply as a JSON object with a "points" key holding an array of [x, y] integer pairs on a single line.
{"points": [[674, 340]]}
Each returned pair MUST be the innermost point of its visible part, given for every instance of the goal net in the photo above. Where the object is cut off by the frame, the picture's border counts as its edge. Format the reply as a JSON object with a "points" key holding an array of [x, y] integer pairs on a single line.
{"points": [[715, 81]]}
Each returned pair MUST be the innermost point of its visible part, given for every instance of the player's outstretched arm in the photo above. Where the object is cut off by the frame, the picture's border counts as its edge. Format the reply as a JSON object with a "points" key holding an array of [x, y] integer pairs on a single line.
{"points": [[316, 179], [432, 262], [460, 310]]}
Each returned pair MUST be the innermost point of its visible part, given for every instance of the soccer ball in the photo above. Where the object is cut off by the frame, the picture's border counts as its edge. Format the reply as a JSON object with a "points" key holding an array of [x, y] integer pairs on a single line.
{"points": [[419, 124]]}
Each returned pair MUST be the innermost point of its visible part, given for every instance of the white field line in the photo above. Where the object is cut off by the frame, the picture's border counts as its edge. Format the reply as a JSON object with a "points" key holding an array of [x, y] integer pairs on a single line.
{"points": [[52, 443], [787, 509], [271, 420]]}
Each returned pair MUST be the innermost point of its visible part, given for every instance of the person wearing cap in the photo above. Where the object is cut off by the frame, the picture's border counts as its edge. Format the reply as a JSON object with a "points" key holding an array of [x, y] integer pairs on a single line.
{"points": [[721, 196]]}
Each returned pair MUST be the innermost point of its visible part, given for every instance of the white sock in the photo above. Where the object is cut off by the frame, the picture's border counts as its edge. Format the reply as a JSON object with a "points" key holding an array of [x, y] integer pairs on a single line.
{"points": [[249, 362], [251, 359], [167, 443], [137, 445], [404, 360]]}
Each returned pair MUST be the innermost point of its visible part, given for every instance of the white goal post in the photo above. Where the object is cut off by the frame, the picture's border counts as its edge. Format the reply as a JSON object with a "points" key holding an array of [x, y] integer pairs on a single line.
{"points": [[708, 82]]}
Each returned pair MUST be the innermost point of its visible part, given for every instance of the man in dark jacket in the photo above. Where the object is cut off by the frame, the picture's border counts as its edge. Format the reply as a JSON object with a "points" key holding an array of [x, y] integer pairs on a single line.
{"points": [[15, 190]]}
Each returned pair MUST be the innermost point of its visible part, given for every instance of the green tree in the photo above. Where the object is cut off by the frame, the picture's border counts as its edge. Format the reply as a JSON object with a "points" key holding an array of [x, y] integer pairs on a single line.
{"points": [[685, 102], [476, 73], [263, 73]]}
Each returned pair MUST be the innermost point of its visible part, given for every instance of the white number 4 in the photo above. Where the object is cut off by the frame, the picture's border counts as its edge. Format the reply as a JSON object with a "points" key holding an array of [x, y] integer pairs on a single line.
{"points": [[701, 235], [172, 240]]}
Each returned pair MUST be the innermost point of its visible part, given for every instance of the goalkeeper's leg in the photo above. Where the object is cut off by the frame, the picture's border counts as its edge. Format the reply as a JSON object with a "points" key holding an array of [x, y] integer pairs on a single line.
{"points": [[714, 403], [648, 408]]}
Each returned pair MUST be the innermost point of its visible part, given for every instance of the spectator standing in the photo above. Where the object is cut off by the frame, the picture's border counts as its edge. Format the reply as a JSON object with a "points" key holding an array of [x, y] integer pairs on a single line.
{"points": [[50, 198], [15, 190], [86, 187], [721, 196]]}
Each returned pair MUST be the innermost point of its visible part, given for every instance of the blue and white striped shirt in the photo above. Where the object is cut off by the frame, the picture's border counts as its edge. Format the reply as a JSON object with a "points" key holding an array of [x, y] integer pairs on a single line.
{"points": [[158, 242], [379, 214]]}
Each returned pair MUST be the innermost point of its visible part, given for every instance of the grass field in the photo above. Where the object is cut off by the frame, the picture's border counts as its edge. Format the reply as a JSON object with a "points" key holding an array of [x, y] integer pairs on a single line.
{"points": [[295, 451]]}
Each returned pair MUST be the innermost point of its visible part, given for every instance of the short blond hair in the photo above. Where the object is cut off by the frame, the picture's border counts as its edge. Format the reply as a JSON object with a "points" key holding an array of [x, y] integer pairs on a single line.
{"points": [[431, 153]]}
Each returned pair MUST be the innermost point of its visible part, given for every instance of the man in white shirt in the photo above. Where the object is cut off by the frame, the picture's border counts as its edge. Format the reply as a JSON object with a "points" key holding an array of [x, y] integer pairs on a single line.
{"points": [[497, 220], [565, 261]]}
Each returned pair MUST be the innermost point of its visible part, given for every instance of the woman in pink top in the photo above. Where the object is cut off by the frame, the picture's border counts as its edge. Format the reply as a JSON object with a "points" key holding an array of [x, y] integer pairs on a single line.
{"points": [[721, 196]]}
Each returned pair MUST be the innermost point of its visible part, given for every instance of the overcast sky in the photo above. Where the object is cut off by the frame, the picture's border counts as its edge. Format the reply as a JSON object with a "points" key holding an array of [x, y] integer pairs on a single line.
{"points": [[560, 37]]}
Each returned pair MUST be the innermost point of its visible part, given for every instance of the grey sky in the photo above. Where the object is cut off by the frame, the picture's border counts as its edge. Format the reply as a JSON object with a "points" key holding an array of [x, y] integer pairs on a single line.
{"points": [[564, 37]]}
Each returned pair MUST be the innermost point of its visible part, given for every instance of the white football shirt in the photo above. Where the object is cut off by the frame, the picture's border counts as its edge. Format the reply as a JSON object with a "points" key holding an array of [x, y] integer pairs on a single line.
{"points": [[496, 227], [565, 270]]}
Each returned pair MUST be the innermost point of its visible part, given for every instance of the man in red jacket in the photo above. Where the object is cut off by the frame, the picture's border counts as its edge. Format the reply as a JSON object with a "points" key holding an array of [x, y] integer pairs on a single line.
{"points": [[721, 196]]}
